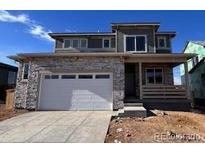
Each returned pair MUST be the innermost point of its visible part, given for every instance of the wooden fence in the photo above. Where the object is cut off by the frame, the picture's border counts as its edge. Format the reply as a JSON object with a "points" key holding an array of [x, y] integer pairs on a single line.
{"points": [[10, 99]]}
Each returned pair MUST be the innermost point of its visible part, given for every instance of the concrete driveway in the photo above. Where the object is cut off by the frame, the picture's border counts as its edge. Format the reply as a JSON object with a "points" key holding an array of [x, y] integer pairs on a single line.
{"points": [[56, 126]]}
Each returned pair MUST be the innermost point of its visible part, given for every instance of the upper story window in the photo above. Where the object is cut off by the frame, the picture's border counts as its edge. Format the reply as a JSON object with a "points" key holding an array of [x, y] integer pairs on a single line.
{"points": [[162, 42], [67, 44], [83, 43], [75, 43], [25, 71], [135, 43], [106, 43]]}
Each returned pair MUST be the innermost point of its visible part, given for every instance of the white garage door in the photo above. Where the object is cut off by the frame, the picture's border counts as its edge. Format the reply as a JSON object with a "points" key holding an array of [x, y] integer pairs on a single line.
{"points": [[76, 91]]}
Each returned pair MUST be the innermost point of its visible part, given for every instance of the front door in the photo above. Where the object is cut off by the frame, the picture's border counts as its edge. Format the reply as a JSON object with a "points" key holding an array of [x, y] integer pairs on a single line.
{"points": [[130, 80]]}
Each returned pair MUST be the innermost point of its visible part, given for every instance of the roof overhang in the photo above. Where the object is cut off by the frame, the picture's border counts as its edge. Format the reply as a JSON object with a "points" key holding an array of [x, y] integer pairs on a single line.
{"points": [[171, 34], [128, 57], [55, 35], [154, 25]]}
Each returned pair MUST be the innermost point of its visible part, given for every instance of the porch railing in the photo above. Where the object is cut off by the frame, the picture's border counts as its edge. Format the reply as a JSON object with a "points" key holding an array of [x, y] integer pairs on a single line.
{"points": [[164, 92]]}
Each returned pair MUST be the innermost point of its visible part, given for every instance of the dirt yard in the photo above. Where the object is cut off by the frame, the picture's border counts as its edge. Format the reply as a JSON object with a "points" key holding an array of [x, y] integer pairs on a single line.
{"points": [[5, 114], [163, 127]]}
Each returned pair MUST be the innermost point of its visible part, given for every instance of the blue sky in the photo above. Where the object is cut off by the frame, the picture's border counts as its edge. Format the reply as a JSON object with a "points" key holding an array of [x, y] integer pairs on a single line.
{"points": [[26, 31]]}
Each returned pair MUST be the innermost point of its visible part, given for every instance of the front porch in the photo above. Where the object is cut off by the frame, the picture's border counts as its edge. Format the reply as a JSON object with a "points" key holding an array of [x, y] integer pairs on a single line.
{"points": [[151, 81]]}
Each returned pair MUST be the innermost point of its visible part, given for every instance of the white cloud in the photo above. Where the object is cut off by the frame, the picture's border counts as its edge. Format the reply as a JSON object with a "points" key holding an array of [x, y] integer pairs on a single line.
{"points": [[40, 32], [34, 29], [5, 16]]}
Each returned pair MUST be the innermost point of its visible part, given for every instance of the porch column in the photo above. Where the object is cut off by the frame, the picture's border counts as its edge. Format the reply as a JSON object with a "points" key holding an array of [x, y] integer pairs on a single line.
{"points": [[140, 79], [186, 75]]}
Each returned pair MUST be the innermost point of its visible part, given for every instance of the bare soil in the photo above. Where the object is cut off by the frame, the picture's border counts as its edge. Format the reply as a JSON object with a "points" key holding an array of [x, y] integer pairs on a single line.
{"points": [[6, 114], [164, 127]]}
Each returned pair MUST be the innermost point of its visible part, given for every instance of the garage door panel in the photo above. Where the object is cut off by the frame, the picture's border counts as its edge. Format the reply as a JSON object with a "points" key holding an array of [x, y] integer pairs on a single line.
{"points": [[76, 94]]}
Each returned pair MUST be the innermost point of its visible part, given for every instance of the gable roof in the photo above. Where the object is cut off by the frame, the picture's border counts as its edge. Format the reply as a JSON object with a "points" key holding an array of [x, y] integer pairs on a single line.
{"points": [[170, 33], [197, 65]]}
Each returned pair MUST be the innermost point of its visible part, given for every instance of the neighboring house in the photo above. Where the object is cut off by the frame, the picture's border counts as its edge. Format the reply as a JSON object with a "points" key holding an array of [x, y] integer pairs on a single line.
{"points": [[102, 71], [196, 68], [8, 76]]}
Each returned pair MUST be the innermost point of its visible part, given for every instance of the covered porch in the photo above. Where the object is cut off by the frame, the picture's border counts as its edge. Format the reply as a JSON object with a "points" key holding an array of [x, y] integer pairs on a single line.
{"points": [[150, 78]]}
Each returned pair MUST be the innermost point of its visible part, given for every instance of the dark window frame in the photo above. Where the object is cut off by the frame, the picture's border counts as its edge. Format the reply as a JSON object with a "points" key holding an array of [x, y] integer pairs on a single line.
{"points": [[109, 42], [164, 39], [154, 76], [135, 37], [25, 73]]}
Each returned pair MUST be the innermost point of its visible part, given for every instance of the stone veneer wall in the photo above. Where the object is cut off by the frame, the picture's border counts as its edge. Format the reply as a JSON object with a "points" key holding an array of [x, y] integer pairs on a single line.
{"points": [[21, 89], [28, 92]]}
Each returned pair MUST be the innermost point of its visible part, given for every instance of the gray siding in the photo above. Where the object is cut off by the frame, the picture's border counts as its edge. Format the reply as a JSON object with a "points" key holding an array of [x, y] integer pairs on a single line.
{"points": [[59, 43], [148, 32], [94, 42]]}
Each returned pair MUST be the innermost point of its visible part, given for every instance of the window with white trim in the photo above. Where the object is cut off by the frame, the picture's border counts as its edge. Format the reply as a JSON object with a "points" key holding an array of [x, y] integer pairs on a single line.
{"points": [[83, 43], [136, 43], [75, 43], [106, 43], [67, 44], [154, 75], [162, 42], [25, 71]]}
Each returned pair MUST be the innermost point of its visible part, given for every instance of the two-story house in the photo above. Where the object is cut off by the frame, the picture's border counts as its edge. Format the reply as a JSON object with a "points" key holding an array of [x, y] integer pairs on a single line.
{"points": [[102, 71]]}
